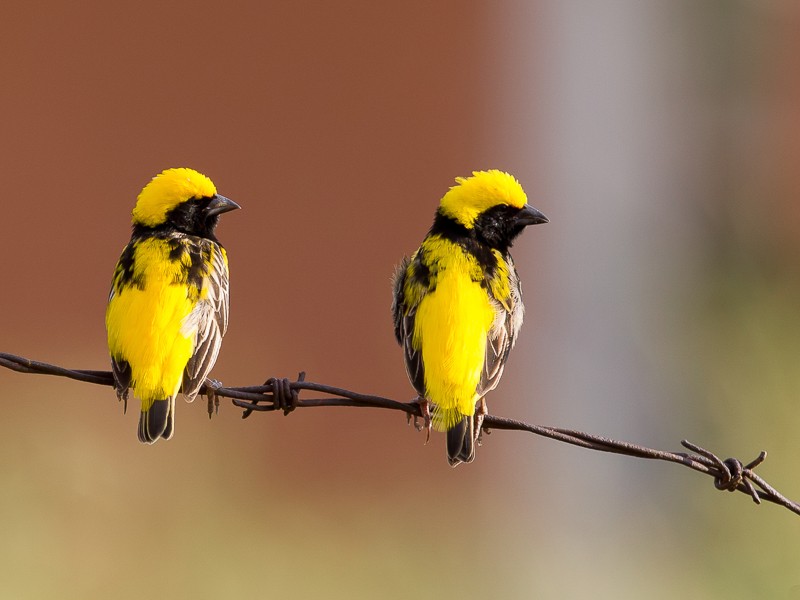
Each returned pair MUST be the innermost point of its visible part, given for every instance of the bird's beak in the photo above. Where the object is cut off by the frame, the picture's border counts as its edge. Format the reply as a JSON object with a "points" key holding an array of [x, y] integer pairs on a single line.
{"points": [[530, 216], [220, 204]]}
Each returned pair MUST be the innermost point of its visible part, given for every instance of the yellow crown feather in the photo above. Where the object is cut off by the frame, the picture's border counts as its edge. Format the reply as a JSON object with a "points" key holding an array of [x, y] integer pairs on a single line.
{"points": [[485, 189], [166, 191]]}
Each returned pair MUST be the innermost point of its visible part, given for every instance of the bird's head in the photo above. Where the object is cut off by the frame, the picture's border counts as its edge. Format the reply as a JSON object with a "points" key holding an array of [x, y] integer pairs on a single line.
{"points": [[181, 198], [492, 204]]}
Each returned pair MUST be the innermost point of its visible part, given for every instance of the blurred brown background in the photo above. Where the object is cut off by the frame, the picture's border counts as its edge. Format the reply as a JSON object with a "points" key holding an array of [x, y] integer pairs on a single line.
{"points": [[662, 140]]}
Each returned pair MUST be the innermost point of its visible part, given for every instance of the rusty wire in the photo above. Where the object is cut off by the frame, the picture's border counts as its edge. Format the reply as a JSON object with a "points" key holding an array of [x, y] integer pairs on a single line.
{"points": [[283, 395]]}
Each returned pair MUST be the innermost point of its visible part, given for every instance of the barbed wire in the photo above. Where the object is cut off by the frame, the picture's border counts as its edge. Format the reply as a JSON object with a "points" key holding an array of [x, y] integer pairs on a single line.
{"points": [[283, 395]]}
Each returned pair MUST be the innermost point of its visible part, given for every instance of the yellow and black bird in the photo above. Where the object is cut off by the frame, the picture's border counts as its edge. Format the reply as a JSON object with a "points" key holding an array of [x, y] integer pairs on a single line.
{"points": [[458, 304], [168, 307]]}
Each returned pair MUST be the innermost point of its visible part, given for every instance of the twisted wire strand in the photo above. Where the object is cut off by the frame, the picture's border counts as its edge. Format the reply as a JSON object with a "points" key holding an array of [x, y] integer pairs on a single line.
{"points": [[280, 394]]}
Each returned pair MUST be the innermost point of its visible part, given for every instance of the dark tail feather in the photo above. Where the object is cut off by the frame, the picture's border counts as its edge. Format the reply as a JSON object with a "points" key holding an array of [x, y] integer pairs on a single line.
{"points": [[461, 442], [170, 428], [158, 421]]}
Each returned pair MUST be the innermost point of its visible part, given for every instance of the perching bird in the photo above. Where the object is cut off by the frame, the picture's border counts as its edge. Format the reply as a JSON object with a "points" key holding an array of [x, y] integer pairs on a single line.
{"points": [[168, 307], [458, 304]]}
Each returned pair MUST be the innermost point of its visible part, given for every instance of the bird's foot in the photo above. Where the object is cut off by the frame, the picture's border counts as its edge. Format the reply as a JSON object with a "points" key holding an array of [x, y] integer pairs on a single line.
{"points": [[480, 412], [212, 385], [122, 395], [425, 410]]}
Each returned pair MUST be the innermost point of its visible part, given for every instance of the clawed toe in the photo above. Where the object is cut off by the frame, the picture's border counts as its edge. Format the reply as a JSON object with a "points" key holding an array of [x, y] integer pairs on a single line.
{"points": [[425, 410], [212, 385]]}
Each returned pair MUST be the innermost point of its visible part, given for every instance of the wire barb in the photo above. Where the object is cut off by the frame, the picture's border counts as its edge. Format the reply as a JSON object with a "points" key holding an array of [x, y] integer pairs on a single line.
{"points": [[731, 474], [281, 394]]}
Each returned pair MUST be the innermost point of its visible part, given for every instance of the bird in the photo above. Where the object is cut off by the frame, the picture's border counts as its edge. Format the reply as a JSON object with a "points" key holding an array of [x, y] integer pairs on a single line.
{"points": [[168, 306], [457, 305]]}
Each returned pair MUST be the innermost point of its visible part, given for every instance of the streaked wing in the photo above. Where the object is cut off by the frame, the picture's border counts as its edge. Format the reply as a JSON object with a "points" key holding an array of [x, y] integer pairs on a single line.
{"points": [[413, 358], [210, 316], [503, 333], [120, 368], [404, 316], [498, 345], [398, 299]]}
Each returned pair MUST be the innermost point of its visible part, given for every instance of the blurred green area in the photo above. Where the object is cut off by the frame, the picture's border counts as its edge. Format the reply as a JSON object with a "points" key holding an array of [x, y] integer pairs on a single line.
{"points": [[739, 353]]}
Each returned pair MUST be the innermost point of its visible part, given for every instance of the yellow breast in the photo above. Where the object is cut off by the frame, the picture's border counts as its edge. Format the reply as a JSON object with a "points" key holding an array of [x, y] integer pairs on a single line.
{"points": [[144, 322], [451, 329]]}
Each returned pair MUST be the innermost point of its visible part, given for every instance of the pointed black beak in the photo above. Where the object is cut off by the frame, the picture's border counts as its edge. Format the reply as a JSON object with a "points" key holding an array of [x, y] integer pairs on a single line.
{"points": [[220, 204], [530, 216]]}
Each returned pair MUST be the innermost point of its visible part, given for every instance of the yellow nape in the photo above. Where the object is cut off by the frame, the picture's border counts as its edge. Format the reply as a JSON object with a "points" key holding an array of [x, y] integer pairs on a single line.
{"points": [[451, 329], [166, 191], [485, 189]]}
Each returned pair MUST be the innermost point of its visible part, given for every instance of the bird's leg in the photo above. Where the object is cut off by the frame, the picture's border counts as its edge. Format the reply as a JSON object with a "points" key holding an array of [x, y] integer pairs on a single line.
{"points": [[425, 409], [480, 412], [123, 395], [212, 385]]}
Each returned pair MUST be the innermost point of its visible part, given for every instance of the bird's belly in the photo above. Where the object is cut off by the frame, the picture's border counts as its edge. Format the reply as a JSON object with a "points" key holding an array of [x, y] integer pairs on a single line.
{"points": [[145, 330], [451, 329]]}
